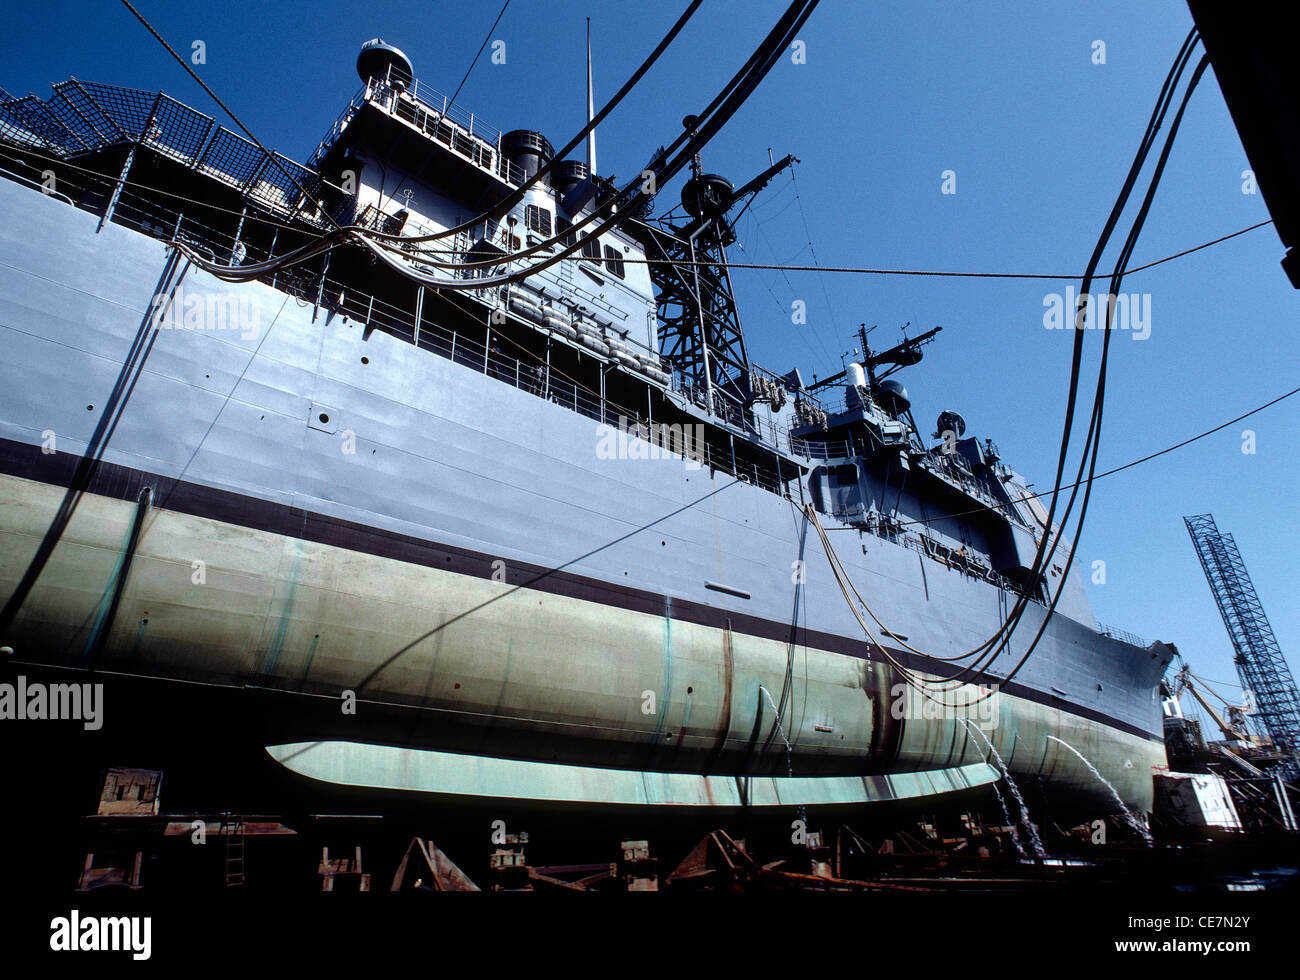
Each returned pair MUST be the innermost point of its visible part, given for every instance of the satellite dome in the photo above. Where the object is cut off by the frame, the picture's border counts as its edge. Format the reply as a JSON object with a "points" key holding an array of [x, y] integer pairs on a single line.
{"points": [[949, 420], [893, 396], [378, 59]]}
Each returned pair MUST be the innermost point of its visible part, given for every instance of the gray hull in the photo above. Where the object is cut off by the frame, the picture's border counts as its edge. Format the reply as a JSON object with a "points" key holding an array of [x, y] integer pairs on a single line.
{"points": [[412, 532]]}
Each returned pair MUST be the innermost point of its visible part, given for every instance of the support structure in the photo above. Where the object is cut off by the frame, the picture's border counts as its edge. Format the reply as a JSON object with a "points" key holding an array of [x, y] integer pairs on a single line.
{"points": [[1260, 664], [700, 331]]}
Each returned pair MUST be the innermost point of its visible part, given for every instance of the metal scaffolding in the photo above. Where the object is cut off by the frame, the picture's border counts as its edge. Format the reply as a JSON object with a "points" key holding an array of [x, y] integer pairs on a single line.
{"points": [[1260, 664]]}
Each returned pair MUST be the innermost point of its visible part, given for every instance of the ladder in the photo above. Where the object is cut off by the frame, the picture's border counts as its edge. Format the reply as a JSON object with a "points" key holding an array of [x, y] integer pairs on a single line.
{"points": [[233, 828]]}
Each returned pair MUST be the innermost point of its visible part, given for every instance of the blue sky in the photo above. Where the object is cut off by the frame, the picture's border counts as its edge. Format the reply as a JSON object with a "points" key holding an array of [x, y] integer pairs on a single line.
{"points": [[890, 96]]}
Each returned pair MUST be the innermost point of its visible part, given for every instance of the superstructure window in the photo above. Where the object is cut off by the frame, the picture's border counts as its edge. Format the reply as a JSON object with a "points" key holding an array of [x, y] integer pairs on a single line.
{"points": [[564, 224], [591, 248], [613, 261], [538, 219]]}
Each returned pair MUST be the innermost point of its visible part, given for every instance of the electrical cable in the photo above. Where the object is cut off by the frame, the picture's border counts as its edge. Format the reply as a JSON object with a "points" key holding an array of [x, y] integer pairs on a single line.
{"points": [[479, 54], [710, 120], [718, 113], [1093, 439], [518, 194], [215, 98], [1043, 554]]}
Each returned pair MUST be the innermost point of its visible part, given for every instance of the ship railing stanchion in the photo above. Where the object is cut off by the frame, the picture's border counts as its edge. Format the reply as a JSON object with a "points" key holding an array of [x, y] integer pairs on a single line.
{"points": [[546, 385], [239, 229], [419, 310], [117, 190], [320, 290]]}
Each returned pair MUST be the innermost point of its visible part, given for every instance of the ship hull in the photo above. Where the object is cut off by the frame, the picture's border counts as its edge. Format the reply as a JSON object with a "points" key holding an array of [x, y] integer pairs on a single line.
{"points": [[402, 535], [525, 675]]}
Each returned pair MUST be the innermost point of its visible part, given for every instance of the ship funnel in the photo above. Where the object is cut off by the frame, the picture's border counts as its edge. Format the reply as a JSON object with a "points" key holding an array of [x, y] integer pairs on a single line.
{"points": [[568, 174], [527, 150], [379, 59]]}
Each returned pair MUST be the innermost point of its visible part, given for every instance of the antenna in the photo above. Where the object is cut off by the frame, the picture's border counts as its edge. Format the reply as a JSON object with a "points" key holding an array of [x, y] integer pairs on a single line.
{"points": [[591, 111]]}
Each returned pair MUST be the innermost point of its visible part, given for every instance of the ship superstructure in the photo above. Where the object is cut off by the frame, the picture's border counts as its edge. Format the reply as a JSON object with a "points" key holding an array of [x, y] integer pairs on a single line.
{"points": [[553, 531]]}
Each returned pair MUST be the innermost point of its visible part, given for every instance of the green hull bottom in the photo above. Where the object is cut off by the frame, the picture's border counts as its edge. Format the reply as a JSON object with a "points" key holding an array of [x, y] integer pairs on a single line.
{"points": [[450, 774]]}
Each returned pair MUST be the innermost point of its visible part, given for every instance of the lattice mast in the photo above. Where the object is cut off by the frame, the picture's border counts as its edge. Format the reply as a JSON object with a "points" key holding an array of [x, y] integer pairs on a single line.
{"points": [[700, 331], [1260, 665]]}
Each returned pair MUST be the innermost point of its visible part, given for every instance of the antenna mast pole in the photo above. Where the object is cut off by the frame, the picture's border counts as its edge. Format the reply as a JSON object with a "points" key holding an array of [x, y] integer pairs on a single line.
{"points": [[591, 110]]}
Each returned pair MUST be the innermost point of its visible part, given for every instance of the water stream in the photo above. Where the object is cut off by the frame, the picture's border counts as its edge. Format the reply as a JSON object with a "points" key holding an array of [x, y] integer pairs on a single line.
{"points": [[1006, 815], [1034, 839], [789, 749], [1129, 818]]}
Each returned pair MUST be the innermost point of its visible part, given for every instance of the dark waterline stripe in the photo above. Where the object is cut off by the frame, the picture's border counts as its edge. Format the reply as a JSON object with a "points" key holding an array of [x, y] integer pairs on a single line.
{"points": [[120, 482]]}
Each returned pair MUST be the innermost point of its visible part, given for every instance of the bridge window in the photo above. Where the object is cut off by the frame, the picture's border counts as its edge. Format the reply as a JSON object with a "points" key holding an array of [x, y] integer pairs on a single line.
{"points": [[613, 261], [590, 248], [538, 219], [563, 223]]}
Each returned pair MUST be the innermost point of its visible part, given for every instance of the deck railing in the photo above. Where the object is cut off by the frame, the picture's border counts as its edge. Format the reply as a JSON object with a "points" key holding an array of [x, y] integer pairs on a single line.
{"points": [[429, 111], [1123, 636], [91, 192]]}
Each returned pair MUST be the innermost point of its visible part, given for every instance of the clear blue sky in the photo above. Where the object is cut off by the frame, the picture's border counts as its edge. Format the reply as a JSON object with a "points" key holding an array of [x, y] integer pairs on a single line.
{"points": [[891, 95]]}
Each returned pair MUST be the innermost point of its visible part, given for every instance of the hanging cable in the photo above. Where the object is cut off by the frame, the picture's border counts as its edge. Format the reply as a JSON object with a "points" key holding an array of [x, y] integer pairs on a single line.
{"points": [[479, 54], [718, 113], [506, 205], [215, 98], [989, 650], [1045, 554]]}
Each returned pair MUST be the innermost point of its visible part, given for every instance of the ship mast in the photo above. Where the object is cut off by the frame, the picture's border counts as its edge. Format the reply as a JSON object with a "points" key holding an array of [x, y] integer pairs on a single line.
{"points": [[700, 329], [591, 109]]}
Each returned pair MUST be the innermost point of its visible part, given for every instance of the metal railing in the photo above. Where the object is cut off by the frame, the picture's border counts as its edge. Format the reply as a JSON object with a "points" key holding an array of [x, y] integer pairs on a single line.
{"points": [[92, 193], [1124, 636], [82, 117], [832, 449], [433, 115]]}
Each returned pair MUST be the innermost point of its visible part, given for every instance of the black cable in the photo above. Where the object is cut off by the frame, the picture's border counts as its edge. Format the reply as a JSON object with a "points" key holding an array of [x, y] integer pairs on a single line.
{"points": [[1044, 554], [991, 648], [1099, 398], [270, 156], [711, 119], [719, 111], [452, 100], [518, 194], [775, 267], [1117, 469], [935, 273], [1093, 438]]}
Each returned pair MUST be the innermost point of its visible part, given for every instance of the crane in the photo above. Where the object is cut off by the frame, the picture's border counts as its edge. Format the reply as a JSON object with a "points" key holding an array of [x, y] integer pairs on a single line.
{"points": [[1260, 665]]}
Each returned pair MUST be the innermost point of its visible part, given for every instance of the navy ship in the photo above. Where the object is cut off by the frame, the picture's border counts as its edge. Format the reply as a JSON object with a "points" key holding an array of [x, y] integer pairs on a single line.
{"points": [[455, 449]]}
